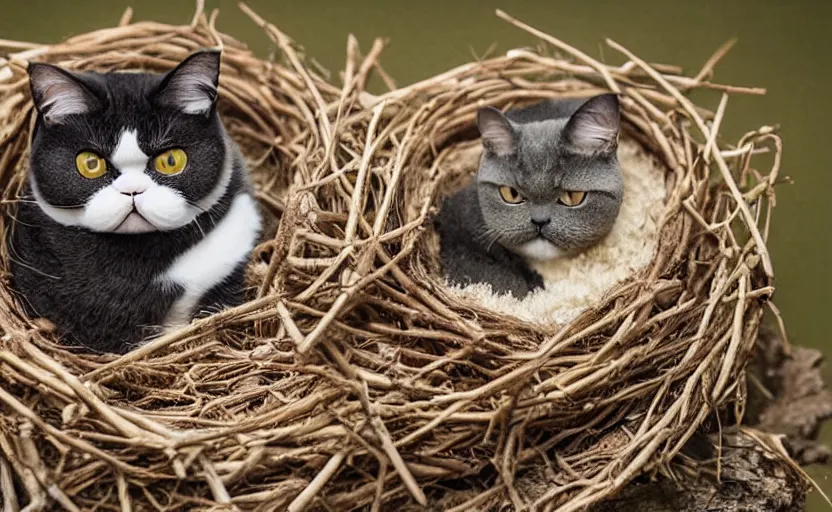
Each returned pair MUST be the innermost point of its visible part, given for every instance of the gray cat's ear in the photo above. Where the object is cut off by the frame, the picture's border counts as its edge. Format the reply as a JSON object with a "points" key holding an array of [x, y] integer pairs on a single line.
{"points": [[191, 87], [595, 125], [498, 136], [57, 93]]}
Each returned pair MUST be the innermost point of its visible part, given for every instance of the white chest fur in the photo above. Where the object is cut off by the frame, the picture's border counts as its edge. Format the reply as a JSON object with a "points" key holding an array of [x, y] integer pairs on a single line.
{"points": [[213, 259], [539, 250]]}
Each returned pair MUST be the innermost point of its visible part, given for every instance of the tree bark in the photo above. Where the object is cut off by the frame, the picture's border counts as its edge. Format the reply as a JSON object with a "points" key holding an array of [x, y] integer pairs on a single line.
{"points": [[751, 481], [791, 400]]}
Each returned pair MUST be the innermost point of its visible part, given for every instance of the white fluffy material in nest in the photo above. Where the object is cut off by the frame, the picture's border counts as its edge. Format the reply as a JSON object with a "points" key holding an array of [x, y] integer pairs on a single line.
{"points": [[576, 283]]}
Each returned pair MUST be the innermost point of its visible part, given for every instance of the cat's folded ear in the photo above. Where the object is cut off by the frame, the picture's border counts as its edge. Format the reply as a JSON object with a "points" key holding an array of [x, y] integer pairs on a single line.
{"points": [[498, 136], [191, 87], [57, 93], [594, 127]]}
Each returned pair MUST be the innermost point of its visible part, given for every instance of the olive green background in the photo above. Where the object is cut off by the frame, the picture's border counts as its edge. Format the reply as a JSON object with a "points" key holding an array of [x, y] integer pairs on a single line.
{"points": [[783, 46]]}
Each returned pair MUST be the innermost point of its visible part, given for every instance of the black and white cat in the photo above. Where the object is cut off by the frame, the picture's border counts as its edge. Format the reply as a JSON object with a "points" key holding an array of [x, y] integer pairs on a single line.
{"points": [[137, 214]]}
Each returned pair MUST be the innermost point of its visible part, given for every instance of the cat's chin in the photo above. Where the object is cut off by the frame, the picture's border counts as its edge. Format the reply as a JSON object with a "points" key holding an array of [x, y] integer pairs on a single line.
{"points": [[135, 224], [539, 250]]}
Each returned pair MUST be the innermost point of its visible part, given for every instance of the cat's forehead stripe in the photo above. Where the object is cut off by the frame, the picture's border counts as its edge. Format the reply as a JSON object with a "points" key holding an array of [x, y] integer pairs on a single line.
{"points": [[128, 155]]}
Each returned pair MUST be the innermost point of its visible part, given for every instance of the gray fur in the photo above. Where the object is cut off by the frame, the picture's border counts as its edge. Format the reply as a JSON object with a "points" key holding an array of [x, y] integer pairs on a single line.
{"points": [[541, 151]]}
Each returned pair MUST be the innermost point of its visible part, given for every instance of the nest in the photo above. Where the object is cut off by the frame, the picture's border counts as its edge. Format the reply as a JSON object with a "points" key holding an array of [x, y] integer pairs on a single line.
{"points": [[354, 378], [577, 282]]}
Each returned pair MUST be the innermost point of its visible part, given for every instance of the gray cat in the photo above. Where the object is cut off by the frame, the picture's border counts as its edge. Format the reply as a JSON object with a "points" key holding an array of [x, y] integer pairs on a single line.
{"points": [[549, 185]]}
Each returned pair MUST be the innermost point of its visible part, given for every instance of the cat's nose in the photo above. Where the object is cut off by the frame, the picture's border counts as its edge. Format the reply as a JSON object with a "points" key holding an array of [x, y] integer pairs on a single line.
{"points": [[541, 221], [132, 184], [132, 193]]}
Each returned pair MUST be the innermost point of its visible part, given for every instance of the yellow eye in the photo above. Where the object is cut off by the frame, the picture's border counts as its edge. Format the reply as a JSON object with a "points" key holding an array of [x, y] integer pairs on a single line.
{"points": [[572, 198], [171, 162], [90, 165], [511, 195]]}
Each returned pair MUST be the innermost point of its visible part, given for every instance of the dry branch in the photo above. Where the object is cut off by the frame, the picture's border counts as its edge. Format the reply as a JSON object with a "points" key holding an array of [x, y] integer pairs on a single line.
{"points": [[355, 379]]}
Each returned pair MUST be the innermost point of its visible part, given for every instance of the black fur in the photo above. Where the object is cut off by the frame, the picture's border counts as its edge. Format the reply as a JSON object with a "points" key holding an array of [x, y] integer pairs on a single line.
{"points": [[101, 289]]}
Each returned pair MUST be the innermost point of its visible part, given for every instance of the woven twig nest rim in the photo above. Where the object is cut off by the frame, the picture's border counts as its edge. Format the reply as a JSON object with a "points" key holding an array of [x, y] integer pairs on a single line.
{"points": [[353, 377]]}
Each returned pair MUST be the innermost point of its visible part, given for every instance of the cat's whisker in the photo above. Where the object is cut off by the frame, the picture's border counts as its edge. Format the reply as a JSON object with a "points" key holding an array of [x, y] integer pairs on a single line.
{"points": [[483, 236], [33, 201], [14, 258], [207, 212], [164, 139], [488, 238], [132, 227], [493, 241], [16, 220], [69, 207], [199, 226]]}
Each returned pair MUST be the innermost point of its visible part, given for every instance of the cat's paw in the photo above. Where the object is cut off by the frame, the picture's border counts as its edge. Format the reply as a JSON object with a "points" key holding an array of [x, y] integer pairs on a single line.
{"points": [[535, 281], [517, 287]]}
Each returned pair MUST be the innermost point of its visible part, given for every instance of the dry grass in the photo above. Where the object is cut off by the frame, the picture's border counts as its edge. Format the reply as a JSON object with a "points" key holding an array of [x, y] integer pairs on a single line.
{"points": [[353, 378]]}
